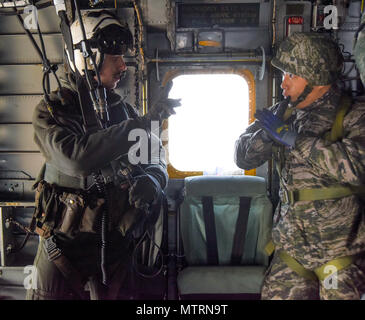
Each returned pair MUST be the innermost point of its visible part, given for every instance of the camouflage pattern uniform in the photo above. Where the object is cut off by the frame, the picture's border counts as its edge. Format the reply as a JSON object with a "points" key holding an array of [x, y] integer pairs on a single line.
{"points": [[359, 50], [314, 232]]}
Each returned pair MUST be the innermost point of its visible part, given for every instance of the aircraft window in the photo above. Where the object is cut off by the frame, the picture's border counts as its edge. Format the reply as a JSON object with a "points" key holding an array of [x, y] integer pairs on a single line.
{"points": [[214, 112]]}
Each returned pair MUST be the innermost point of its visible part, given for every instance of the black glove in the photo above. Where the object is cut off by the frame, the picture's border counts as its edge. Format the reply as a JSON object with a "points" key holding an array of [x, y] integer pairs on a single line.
{"points": [[163, 107], [143, 191]]}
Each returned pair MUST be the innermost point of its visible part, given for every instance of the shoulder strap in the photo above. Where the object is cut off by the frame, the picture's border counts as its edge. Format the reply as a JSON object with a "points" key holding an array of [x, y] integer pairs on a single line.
{"points": [[288, 113], [337, 127]]}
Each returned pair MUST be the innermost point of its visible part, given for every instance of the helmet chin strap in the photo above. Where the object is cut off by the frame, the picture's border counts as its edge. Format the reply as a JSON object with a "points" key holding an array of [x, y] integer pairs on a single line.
{"points": [[307, 90]]}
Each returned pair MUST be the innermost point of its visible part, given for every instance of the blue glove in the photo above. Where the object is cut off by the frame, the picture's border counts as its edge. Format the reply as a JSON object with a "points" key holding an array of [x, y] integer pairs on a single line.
{"points": [[276, 128]]}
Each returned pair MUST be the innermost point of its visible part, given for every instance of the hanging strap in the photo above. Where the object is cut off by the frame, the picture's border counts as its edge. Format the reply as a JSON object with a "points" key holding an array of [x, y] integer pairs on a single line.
{"points": [[240, 233], [337, 127], [210, 231]]}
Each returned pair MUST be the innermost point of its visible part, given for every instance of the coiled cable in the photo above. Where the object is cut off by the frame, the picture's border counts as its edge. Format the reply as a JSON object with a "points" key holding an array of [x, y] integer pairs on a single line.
{"points": [[101, 189]]}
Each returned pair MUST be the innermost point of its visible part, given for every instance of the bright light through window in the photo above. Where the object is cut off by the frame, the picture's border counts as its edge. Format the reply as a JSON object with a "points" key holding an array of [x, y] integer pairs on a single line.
{"points": [[213, 114]]}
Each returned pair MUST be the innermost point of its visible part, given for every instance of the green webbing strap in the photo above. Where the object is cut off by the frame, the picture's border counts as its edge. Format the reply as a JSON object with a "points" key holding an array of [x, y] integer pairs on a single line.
{"points": [[337, 127], [319, 273], [288, 112], [334, 192], [270, 248], [339, 264], [240, 233], [210, 232], [296, 266]]}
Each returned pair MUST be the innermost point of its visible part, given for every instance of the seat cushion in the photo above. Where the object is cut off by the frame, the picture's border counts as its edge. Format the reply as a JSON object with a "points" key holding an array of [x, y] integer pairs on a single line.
{"points": [[233, 186], [226, 192], [222, 280]]}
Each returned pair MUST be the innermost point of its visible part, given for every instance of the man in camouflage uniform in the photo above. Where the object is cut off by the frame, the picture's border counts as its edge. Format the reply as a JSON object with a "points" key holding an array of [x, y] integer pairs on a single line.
{"points": [[319, 224]]}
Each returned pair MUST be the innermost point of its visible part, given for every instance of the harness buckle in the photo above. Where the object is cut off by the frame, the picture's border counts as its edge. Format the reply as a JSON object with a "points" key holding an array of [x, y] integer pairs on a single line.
{"points": [[50, 246], [287, 197]]}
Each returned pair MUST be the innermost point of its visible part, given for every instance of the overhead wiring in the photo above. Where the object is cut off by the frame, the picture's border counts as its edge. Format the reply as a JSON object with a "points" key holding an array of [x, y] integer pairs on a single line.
{"points": [[47, 66], [5, 12]]}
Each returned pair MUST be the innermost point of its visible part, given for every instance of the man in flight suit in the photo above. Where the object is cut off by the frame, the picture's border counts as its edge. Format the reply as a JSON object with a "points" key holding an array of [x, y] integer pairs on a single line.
{"points": [[70, 198], [319, 224]]}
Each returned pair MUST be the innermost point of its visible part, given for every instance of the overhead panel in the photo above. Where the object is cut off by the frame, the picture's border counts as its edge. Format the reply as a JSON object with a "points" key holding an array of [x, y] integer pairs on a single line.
{"points": [[155, 12], [211, 27], [22, 79], [217, 15], [17, 137], [49, 22], [18, 108], [18, 49], [292, 16]]}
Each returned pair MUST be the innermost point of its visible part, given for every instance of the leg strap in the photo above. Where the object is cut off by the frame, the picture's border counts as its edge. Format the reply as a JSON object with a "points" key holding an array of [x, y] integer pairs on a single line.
{"points": [[296, 266], [319, 273], [339, 264]]}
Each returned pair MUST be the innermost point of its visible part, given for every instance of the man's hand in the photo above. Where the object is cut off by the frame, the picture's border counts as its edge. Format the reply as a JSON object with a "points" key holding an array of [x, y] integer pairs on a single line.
{"points": [[163, 107], [143, 192], [276, 128]]}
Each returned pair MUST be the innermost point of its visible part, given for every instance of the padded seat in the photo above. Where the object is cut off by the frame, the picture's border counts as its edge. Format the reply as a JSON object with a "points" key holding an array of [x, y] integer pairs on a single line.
{"points": [[230, 260]]}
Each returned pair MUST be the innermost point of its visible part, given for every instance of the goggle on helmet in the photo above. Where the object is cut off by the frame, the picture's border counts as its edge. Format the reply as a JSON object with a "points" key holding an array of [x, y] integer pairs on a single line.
{"points": [[113, 39], [106, 35]]}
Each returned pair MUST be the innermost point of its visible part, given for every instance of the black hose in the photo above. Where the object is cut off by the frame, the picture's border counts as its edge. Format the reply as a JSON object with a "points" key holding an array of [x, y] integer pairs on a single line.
{"points": [[47, 68], [100, 185]]}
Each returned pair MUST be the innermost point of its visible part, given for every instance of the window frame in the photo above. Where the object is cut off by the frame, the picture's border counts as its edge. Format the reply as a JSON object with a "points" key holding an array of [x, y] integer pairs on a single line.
{"points": [[246, 74]]}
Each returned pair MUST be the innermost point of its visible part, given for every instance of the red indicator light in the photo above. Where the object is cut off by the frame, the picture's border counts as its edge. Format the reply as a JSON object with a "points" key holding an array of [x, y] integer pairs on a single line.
{"points": [[295, 20]]}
